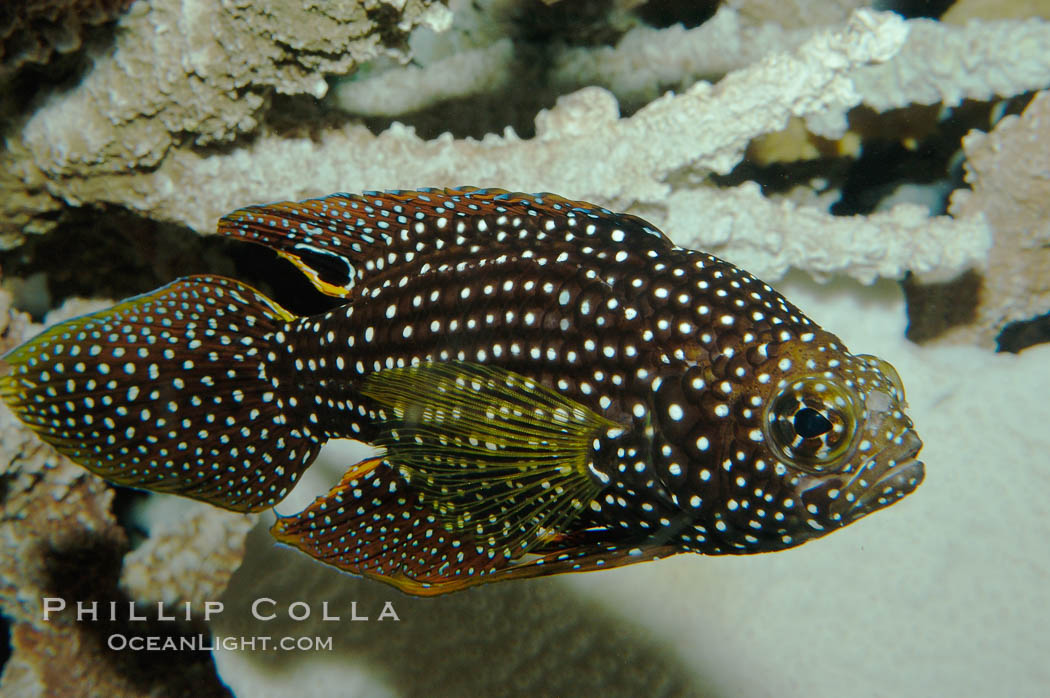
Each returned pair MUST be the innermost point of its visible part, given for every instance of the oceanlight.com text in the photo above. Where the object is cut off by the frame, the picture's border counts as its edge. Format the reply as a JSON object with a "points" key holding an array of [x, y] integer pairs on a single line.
{"points": [[120, 642]]}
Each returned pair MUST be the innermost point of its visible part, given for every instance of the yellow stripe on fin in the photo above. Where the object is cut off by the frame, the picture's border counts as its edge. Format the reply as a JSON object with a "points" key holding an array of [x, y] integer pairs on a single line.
{"points": [[495, 453]]}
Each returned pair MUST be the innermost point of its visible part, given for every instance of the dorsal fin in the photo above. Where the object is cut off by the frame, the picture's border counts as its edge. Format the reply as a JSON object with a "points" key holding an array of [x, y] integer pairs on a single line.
{"points": [[342, 239]]}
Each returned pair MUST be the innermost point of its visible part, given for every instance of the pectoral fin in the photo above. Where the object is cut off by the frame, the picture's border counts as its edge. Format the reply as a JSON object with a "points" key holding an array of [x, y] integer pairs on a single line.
{"points": [[495, 453]]}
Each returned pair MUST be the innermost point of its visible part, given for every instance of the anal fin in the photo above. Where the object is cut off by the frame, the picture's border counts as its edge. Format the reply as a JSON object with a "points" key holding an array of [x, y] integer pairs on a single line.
{"points": [[376, 525]]}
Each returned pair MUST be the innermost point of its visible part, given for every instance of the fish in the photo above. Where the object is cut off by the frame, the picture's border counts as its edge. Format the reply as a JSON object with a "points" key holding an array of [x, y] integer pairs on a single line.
{"points": [[551, 386]]}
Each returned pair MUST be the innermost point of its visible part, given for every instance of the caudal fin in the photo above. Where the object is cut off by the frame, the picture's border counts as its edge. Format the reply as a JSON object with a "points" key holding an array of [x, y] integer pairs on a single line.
{"points": [[178, 390]]}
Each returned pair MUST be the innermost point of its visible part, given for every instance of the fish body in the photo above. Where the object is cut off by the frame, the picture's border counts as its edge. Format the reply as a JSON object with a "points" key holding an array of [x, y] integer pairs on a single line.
{"points": [[556, 387]]}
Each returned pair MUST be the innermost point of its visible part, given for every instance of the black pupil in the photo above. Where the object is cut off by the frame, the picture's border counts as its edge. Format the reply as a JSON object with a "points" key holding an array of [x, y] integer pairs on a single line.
{"points": [[810, 423]]}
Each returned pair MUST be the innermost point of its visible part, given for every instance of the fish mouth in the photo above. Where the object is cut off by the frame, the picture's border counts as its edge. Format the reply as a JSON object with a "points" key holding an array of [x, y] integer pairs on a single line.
{"points": [[897, 482], [899, 479]]}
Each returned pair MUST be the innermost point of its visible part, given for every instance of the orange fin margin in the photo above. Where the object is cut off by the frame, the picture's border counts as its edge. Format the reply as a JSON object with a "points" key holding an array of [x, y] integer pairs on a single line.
{"points": [[399, 541]]}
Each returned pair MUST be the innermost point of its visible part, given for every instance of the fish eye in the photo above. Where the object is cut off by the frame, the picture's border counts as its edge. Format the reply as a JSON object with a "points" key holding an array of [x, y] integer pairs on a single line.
{"points": [[811, 423]]}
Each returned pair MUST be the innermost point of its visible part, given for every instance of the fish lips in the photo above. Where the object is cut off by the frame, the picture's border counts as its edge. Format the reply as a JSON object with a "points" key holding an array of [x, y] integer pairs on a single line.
{"points": [[894, 479]]}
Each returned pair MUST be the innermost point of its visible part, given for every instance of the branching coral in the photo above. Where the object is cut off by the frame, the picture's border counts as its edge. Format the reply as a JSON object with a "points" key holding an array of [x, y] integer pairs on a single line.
{"points": [[1008, 169], [192, 73], [393, 92], [945, 64], [201, 72], [937, 64], [796, 13], [803, 237], [31, 31], [581, 149]]}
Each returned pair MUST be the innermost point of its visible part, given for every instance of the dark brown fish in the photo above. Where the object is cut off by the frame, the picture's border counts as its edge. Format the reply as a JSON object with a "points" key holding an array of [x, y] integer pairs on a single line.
{"points": [[557, 388]]}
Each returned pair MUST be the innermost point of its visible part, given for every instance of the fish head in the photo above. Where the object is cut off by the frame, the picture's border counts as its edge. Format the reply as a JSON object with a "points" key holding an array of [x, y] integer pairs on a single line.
{"points": [[834, 426], [798, 437]]}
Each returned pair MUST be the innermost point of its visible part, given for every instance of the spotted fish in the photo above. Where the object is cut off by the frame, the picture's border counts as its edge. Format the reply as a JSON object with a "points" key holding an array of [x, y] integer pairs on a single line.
{"points": [[555, 387]]}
